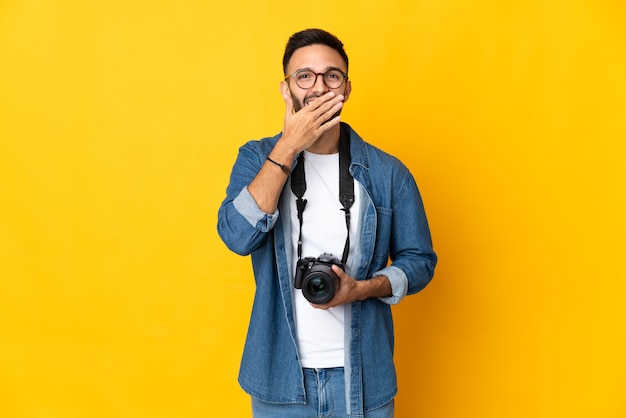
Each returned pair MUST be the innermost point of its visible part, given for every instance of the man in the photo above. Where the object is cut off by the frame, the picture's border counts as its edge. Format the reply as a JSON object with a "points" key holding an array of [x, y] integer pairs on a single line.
{"points": [[290, 203]]}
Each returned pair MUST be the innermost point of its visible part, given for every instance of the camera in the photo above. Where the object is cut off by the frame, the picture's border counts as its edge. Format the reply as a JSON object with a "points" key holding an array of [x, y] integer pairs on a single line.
{"points": [[317, 279]]}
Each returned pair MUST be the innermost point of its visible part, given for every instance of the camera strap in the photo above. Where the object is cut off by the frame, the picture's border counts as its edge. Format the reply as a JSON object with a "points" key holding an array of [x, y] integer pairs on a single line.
{"points": [[346, 189]]}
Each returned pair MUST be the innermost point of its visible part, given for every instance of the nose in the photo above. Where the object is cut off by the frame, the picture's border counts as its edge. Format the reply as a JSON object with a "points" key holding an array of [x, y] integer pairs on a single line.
{"points": [[319, 86]]}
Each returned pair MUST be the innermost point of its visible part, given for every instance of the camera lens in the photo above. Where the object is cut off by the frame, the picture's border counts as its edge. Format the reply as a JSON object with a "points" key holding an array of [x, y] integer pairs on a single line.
{"points": [[319, 286]]}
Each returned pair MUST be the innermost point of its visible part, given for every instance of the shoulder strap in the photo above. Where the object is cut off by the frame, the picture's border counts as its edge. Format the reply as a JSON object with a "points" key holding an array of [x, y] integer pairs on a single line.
{"points": [[346, 185], [298, 187], [346, 182], [346, 189]]}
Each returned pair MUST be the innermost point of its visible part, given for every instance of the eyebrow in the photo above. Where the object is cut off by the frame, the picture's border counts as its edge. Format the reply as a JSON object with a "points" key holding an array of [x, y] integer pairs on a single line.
{"points": [[325, 71]]}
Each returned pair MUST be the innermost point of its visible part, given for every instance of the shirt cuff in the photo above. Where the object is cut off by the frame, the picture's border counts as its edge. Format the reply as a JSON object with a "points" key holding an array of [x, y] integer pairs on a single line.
{"points": [[399, 284], [247, 207]]}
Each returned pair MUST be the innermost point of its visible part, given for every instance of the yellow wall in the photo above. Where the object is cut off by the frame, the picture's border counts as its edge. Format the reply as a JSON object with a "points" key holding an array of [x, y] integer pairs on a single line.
{"points": [[120, 120]]}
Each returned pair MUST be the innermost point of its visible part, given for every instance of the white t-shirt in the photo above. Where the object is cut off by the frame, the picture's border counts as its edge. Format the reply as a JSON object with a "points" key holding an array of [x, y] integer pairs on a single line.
{"points": [[321, 332]]}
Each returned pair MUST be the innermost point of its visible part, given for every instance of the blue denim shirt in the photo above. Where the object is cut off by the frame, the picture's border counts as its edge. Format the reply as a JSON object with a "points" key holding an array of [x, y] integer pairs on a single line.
{"points": [[393, 227]]}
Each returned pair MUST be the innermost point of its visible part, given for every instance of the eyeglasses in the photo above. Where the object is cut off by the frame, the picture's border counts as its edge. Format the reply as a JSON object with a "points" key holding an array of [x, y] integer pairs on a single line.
{"points": [[305, 79]]}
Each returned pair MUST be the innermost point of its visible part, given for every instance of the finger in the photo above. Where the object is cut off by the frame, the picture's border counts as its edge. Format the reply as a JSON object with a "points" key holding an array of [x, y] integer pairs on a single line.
{"points": [[328, 109], [338, 270], [329, 124], [324, 102], [318, 103]]}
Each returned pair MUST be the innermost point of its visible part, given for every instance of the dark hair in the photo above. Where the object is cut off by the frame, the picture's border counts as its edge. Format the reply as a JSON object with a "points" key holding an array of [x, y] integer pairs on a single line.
{"points": [[311, 37]]}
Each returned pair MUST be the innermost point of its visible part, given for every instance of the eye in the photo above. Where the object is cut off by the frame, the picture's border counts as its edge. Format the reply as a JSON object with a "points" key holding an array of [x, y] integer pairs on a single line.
{"points": [[333, 75], [304, 75]]}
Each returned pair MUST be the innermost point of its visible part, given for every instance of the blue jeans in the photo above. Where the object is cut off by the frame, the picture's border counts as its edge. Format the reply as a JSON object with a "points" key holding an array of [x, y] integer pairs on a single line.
{"points": [[326, 398]]}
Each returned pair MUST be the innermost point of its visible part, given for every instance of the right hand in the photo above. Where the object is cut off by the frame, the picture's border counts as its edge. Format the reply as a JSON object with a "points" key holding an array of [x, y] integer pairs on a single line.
{"points": [[306, 126]]}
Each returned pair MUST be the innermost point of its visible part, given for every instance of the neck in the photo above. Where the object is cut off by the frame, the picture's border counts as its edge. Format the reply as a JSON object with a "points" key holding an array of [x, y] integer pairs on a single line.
{"points": [[328, 143]]}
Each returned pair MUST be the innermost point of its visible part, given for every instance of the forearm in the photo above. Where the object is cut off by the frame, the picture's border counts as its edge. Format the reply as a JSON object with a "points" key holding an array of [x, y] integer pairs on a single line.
{"points": [[375, 287], [268, 184]]}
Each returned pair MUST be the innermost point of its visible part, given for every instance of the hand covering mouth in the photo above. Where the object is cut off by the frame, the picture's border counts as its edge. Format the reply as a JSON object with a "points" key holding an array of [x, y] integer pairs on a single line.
{"points": [[309, 99]]}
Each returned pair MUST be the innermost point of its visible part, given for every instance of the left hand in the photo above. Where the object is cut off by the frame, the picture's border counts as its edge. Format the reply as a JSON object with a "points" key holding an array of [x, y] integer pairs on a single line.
{"points": [[347, 292]]}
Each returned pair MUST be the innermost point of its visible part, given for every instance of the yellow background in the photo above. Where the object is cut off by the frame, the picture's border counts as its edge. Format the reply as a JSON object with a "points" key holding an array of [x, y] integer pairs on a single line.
{"points": [[120, 121]]}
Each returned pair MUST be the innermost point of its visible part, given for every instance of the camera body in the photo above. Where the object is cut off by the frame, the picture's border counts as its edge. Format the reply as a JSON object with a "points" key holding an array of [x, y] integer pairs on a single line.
{"points": [[317, 279]]}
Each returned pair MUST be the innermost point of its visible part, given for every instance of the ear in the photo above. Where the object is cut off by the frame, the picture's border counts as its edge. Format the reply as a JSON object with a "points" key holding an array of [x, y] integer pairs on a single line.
{"points": [[284, 90], [347, 90]]}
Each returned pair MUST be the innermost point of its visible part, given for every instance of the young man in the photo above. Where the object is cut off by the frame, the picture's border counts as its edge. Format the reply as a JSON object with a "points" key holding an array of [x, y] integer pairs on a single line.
{"points": [[322, 212]]}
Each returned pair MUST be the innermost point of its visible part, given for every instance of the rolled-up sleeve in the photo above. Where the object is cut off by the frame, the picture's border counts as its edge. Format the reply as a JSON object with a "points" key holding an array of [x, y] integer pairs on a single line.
{"points": [[241, 224], [244, 204], [399, 284]]}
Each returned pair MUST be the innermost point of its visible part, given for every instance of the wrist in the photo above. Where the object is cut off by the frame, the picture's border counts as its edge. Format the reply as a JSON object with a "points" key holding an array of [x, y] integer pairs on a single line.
{"points": [[285, 149], [282, 167], [282, 157]]}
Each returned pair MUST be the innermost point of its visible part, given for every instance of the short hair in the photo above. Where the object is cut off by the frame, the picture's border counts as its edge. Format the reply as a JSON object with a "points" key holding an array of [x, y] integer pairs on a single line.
{"points": [[311, 37]]}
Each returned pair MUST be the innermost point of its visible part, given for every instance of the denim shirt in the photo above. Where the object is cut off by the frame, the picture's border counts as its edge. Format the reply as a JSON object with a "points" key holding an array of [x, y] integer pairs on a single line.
{"points": [[394, 240]]}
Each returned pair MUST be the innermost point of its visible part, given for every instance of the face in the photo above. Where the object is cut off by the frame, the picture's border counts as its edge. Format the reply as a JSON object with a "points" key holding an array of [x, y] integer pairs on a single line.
{"points": [[319, 59]]}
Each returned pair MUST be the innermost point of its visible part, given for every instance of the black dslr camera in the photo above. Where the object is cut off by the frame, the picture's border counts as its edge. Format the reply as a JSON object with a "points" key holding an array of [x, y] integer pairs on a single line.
{"points": [[317, 279]]}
